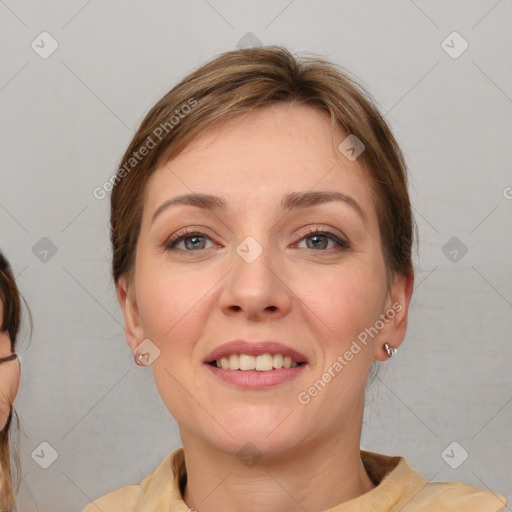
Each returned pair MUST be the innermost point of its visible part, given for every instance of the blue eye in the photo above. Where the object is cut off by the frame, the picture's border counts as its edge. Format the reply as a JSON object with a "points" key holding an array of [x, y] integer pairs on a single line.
{"points": [[193, 240], [320, 240]]}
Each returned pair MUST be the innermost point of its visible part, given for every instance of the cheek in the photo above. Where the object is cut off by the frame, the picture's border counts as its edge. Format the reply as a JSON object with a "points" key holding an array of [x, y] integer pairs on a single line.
{"points": [[345, 301], [339, 309], [172, 307], [170, 311]]}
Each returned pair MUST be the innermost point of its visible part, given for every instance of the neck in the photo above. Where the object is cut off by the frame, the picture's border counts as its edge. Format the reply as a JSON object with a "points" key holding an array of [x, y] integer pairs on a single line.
{"points": [[307, 478]]}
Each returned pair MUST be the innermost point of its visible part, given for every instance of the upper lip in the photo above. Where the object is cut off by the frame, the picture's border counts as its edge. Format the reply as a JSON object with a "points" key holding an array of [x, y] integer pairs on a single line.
{"points": [[254, 348]]}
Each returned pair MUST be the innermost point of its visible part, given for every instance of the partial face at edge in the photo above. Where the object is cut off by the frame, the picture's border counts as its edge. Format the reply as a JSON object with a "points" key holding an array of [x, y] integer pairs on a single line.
{"points": [[9, 376], [315, 292]]}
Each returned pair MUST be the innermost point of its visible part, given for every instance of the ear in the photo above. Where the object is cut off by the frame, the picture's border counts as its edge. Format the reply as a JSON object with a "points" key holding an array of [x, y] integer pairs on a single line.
{"points": [[132, 326], [396, 311]]}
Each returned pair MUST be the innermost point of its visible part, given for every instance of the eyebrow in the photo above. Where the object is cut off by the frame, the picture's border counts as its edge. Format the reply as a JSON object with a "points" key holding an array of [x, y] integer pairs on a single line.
{"points": [[291, 201]]}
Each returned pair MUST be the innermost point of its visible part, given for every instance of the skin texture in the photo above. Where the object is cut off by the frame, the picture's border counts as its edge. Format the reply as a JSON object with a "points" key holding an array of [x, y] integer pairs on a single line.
{"points": [[316, 300], [9, 377]]}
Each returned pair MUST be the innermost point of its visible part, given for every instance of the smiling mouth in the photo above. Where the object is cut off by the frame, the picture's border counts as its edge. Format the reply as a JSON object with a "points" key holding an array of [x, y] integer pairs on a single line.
{"points": [[262, 363]]}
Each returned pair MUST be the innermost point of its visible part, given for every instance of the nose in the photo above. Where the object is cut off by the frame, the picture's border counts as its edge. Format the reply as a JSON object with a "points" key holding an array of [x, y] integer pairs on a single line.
{"points": [[257, 285]]}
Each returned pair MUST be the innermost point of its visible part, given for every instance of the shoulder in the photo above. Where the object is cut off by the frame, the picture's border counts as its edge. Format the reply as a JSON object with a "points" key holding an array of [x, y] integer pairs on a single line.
{"points": [[400, 488], [122, 500], [454, 496], [161, 486]]}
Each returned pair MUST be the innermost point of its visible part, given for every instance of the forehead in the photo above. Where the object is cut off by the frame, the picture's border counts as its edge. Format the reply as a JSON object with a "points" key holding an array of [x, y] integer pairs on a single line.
{"points": [[259, 157]]}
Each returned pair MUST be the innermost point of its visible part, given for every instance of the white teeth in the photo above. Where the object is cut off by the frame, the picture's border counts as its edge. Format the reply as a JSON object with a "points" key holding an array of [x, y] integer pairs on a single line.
{"points": [[234, 362], [247, 362], [277, 361], [262, 363]]}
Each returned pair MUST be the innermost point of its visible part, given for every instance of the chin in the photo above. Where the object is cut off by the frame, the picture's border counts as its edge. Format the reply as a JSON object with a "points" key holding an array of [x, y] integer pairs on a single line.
{"points": [[257, 440]]}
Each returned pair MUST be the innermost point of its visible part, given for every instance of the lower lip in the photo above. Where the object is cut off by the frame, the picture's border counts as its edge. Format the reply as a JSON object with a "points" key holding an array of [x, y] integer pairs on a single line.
{"points": [[255, 379]]}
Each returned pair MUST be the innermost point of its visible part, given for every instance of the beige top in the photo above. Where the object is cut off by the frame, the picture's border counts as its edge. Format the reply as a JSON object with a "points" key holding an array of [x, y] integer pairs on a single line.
{"points": [[399, 488]]}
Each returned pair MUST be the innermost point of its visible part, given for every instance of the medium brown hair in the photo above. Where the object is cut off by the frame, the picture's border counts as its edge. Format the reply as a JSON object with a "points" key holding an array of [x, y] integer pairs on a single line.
{"points": [[235, 83], [11, 318]]}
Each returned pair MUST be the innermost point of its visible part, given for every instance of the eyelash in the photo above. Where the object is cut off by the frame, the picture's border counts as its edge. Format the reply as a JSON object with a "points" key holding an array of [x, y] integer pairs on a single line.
{"points": [[343, 245]]}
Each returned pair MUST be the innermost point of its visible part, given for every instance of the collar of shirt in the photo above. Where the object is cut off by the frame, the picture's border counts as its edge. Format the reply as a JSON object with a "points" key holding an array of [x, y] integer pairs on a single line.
{"points": [[398, 488]]}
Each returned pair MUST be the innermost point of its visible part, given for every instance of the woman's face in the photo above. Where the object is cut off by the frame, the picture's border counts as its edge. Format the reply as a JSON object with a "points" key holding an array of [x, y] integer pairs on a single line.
{"points": [[9, 376], [258, 272]]}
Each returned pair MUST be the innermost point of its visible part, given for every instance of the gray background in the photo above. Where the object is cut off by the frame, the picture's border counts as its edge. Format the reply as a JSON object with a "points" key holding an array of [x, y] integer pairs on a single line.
{"points": [[67, 119]]}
